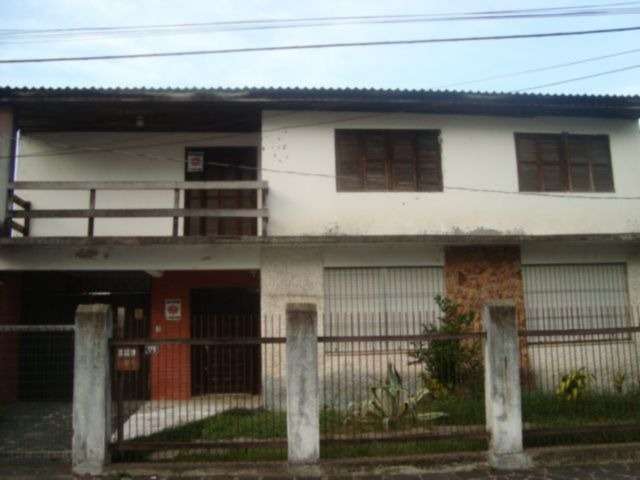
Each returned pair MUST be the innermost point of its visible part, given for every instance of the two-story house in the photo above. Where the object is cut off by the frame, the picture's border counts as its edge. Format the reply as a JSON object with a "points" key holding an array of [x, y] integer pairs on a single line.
{"points": [[202, 212]]}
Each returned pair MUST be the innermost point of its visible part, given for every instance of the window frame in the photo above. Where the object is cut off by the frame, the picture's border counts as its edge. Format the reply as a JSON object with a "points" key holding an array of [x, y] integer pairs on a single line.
{"points": [[388, 145], [565, 162]]}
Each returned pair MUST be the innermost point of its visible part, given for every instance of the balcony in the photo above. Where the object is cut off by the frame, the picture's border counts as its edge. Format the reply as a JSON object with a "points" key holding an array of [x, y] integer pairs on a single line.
{"points": [[189, 211]]}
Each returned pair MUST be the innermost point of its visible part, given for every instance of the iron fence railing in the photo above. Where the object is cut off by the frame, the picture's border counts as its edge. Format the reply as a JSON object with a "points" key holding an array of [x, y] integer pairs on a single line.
{"points": [[581, 375], [219, 392], [36, 387]]}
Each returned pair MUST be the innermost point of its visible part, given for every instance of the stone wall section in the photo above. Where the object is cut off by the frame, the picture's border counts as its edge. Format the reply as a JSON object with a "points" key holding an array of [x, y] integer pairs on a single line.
{"points": [[475, 275]]}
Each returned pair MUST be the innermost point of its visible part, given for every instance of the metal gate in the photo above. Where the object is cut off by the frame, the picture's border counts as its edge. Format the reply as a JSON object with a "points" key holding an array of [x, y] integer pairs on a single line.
{"points": [[36, 390], [217, 396]]}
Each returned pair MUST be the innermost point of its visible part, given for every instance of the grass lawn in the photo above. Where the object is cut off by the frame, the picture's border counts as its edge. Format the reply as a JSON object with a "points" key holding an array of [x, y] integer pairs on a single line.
{"points": [[540, 410]]}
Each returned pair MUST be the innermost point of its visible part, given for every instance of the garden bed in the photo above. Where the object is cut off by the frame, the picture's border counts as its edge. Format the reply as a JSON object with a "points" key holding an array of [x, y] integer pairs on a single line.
{"points": [[461, 430]]}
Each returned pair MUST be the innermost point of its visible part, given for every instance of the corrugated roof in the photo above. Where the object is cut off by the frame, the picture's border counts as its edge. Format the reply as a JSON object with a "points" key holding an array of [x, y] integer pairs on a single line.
{"points": [[417, 100], [306, 90]]}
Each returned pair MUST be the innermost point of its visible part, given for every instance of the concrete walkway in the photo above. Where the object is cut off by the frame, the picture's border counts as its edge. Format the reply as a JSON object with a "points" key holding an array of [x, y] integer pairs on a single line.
{"points": [[35, 432], [157, 415]]}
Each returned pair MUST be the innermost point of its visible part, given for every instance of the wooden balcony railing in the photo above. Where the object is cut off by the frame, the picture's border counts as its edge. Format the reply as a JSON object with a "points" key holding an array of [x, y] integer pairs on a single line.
{"points": [[27, 212]]}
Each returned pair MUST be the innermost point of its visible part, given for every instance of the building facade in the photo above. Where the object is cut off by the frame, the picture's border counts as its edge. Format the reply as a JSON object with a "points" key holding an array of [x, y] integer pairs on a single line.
{"points": [[202, 214]]}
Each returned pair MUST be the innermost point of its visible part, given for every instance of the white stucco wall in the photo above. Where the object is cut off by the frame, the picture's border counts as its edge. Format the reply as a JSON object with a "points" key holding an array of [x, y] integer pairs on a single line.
{"points": [[6, 141], [160, 156], [477, 152]]}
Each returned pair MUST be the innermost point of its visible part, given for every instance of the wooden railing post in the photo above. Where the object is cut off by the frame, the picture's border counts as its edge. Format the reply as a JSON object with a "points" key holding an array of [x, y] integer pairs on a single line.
{"points": [[176, 205], [260, 221], [92, 207]]}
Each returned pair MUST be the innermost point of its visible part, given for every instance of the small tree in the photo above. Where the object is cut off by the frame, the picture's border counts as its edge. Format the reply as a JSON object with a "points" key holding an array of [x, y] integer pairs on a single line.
{"points": [[450, 362]]}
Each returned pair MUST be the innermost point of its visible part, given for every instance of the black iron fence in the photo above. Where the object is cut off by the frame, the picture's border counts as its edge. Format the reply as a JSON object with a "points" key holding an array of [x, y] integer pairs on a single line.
{"points": [[219, 393], [419, 389], [36, 387], [581, 375]]}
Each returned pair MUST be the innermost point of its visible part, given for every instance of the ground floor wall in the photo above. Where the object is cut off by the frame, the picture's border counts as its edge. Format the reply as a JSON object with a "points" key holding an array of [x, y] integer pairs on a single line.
{"points": [[471, 275]]}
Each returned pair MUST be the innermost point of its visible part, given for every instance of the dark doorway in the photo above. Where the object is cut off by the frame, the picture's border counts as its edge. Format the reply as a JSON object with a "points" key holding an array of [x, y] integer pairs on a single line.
{"points": [[46, 359], [222, 164], [225, 313]]}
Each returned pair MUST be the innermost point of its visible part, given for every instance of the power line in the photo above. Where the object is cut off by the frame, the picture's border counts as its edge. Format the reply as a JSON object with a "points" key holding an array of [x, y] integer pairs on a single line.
{"points": [[317, 46], [584, 77], [477, 13], [78, 34], [540, 69]]}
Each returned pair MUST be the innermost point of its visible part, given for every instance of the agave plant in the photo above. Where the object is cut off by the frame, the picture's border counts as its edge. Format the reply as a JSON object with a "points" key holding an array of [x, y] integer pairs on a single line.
{"points": [[391, 402]]}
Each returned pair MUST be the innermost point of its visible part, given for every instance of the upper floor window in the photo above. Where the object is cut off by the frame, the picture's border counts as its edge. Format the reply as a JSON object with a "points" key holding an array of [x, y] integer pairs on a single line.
{"points": [[564, 163], [388, 160]]}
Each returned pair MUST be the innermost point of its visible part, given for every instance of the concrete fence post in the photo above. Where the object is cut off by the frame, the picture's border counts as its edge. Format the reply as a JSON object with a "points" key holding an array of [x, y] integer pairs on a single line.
{"points": [[303, 411], [91, 390], [503, 402]]}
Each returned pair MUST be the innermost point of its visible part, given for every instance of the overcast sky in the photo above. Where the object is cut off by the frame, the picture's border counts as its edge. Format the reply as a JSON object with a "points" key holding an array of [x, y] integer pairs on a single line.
{"points": [[417, 66]]}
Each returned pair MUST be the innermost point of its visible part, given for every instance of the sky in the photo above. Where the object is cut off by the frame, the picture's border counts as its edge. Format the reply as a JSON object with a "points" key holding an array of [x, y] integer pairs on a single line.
{"points": [[402, 67]]}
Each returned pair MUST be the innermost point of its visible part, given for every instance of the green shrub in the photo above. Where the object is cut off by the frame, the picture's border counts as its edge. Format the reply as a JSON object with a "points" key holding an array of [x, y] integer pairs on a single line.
{"points": [[574, 384], [451, 363]]}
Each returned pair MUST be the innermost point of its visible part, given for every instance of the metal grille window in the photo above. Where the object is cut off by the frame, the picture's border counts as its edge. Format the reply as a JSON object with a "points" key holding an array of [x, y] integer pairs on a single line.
{"points": [[380, 301], [585, 296]]}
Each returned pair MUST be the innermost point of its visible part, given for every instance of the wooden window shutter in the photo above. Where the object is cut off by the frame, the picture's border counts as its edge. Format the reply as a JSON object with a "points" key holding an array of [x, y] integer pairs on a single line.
{"points": [[590, 163], [383, 160], [428, 162], [349, 162], [374, 145], [540, 163], [403, 161]]}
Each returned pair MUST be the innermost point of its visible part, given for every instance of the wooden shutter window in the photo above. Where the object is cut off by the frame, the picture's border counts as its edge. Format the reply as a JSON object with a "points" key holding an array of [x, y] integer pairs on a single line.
{"points": [[560, 163], [388, 160], [349, 162]]}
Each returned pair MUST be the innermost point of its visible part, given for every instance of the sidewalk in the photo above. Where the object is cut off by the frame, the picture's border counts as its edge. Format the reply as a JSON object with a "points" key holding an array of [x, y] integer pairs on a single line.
{"points": [[611, 471]]}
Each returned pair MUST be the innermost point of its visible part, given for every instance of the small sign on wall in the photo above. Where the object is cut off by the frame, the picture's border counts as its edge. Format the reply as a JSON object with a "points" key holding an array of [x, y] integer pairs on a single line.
{"points": [[195, 162], [173, 310]]}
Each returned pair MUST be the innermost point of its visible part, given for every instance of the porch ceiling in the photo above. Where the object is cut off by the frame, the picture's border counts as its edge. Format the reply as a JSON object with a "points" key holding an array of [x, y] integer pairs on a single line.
{"points": [[126, 116]]}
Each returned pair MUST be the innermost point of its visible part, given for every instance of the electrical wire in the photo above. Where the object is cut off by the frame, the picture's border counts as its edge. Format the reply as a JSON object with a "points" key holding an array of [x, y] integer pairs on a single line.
{"points": [[48, 37], [583, 77], [539, 69], [478, 13], [316, 46]]}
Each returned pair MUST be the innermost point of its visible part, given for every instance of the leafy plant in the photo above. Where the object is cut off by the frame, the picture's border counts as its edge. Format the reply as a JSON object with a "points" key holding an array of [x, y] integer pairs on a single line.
{"points": [[619, 379], [574, 384], [390, 403], [450, 362]]}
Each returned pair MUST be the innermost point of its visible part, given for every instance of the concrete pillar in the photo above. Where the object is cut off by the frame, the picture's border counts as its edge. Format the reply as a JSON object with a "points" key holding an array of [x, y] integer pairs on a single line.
{"points": [[7, 134], [503, 399], [303, 401], [91, 390]]}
